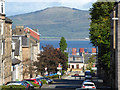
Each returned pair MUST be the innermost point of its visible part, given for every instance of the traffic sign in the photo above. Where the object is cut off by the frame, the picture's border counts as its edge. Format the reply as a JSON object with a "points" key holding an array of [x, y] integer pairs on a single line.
{"points": [[59, 68]]}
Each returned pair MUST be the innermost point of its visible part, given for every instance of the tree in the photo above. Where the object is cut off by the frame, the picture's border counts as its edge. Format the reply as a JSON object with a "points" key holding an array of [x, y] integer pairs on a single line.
{"points": [[50, 58], [90, 62], [63, 44], [28, 68], [100, 27]]}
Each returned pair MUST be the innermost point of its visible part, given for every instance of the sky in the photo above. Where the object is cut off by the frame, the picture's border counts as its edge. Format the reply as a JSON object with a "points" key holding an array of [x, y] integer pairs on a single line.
{"points": [[15, 7]]}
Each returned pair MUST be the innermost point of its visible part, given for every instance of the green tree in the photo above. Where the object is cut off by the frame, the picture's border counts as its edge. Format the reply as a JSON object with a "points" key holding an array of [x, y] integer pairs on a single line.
{"points": [[100, 27], [63, 44], [63, 47], [90, 62], [50, 58]]}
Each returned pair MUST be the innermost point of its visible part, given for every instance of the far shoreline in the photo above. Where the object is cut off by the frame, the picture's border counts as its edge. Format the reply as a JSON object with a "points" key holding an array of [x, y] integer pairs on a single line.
{"points": [[66, 39]]}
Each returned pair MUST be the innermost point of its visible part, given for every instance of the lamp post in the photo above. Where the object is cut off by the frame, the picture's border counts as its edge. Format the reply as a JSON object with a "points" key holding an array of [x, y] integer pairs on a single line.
{"points": [[114, 62], [46, 71]]}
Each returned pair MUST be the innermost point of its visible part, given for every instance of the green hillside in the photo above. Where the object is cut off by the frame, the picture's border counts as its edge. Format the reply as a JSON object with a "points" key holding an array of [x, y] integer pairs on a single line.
{"points": [[56, 22]]}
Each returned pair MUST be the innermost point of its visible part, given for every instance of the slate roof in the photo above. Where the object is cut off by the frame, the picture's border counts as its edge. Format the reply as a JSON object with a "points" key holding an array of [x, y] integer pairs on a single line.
{"points": [[76, 56], [17, 45], [15, 61], [7, 20], [25, 41], [75, 59]]}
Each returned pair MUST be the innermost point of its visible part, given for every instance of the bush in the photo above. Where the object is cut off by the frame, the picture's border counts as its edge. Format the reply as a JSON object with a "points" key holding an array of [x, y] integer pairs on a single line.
{"points": [[13, 87], [54, 76], [35, 85], [44, 81]]}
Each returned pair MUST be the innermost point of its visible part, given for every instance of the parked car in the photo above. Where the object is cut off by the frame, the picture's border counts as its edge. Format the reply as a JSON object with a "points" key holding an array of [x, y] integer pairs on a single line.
{"points": [[88, 77], [88, 84], [38, 82], [85, 89], [24, 83], [76, 74], [87, 72], [31, 85], [48, 80], [87, 80]]}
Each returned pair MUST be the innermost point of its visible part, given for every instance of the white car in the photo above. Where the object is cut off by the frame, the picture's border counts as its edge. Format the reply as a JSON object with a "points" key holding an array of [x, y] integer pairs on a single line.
{"points": [[88, 84]]}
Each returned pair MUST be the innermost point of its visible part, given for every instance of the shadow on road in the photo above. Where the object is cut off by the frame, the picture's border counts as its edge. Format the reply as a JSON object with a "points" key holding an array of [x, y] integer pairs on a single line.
{"points": [[66, 81], [67, 84]]}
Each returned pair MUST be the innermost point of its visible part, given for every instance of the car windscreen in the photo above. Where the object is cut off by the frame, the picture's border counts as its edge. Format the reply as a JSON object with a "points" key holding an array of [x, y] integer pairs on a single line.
{"points": [[87, 73], [88, 84], [30, 80]]}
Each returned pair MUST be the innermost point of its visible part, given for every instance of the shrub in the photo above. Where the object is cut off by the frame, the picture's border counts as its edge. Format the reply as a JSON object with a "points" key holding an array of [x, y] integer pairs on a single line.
{"points": [[35, 85], [44, 81], [54, 76]]}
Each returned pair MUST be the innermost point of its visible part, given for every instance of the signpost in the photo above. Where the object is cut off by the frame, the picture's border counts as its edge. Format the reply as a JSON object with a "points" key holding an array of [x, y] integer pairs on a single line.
{"points": [[59, 68], [46, 71]]}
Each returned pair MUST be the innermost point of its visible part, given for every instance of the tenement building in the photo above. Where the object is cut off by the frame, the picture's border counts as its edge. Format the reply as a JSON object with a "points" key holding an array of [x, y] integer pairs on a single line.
{"points": [[30, 48], [5, 45]]}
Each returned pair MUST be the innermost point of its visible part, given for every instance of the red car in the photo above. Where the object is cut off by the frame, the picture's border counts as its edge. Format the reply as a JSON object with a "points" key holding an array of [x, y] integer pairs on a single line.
{"points": [[38, 82], [76, 74]]}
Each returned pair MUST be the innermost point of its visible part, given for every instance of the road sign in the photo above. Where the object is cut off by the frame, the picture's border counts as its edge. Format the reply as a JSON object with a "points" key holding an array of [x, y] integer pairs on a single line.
{"points": [[94, 68], [59, 68], [45, 68]]}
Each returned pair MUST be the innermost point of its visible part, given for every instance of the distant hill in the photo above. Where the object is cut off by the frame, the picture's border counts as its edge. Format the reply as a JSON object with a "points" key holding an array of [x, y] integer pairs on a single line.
{"points": [[56, 22]]}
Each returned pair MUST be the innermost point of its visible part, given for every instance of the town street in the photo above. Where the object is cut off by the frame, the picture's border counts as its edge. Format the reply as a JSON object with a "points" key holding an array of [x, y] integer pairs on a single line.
{"points": [[71, 83], [64, 84]]}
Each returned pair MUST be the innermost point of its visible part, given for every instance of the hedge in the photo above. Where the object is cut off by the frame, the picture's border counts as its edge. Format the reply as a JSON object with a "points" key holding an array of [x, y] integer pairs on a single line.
{"points": [[54, 76], [35, 85], [44, 81], [12, 87]]}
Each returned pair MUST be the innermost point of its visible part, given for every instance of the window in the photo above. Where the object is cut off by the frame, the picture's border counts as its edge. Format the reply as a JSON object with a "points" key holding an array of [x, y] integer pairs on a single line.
{"points": [[69, 66], [1, 28], [2, 49], [72, 66], [73, 58], [77, 66], [1, 7]]}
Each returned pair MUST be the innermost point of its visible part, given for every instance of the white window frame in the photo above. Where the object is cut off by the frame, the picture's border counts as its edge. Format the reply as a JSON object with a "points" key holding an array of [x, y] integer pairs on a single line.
{"points": [[2, 28], [2, 49]]}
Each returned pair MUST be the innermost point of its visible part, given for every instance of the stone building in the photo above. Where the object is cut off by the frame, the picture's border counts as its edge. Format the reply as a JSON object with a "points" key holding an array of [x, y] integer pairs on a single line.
{"points": [[5, 45], [30, 40], [17, 72], [19, 30]]}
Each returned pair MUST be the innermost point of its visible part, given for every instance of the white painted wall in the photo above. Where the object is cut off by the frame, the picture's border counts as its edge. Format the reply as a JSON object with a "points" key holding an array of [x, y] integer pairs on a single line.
{"points": [[80, 65]]}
